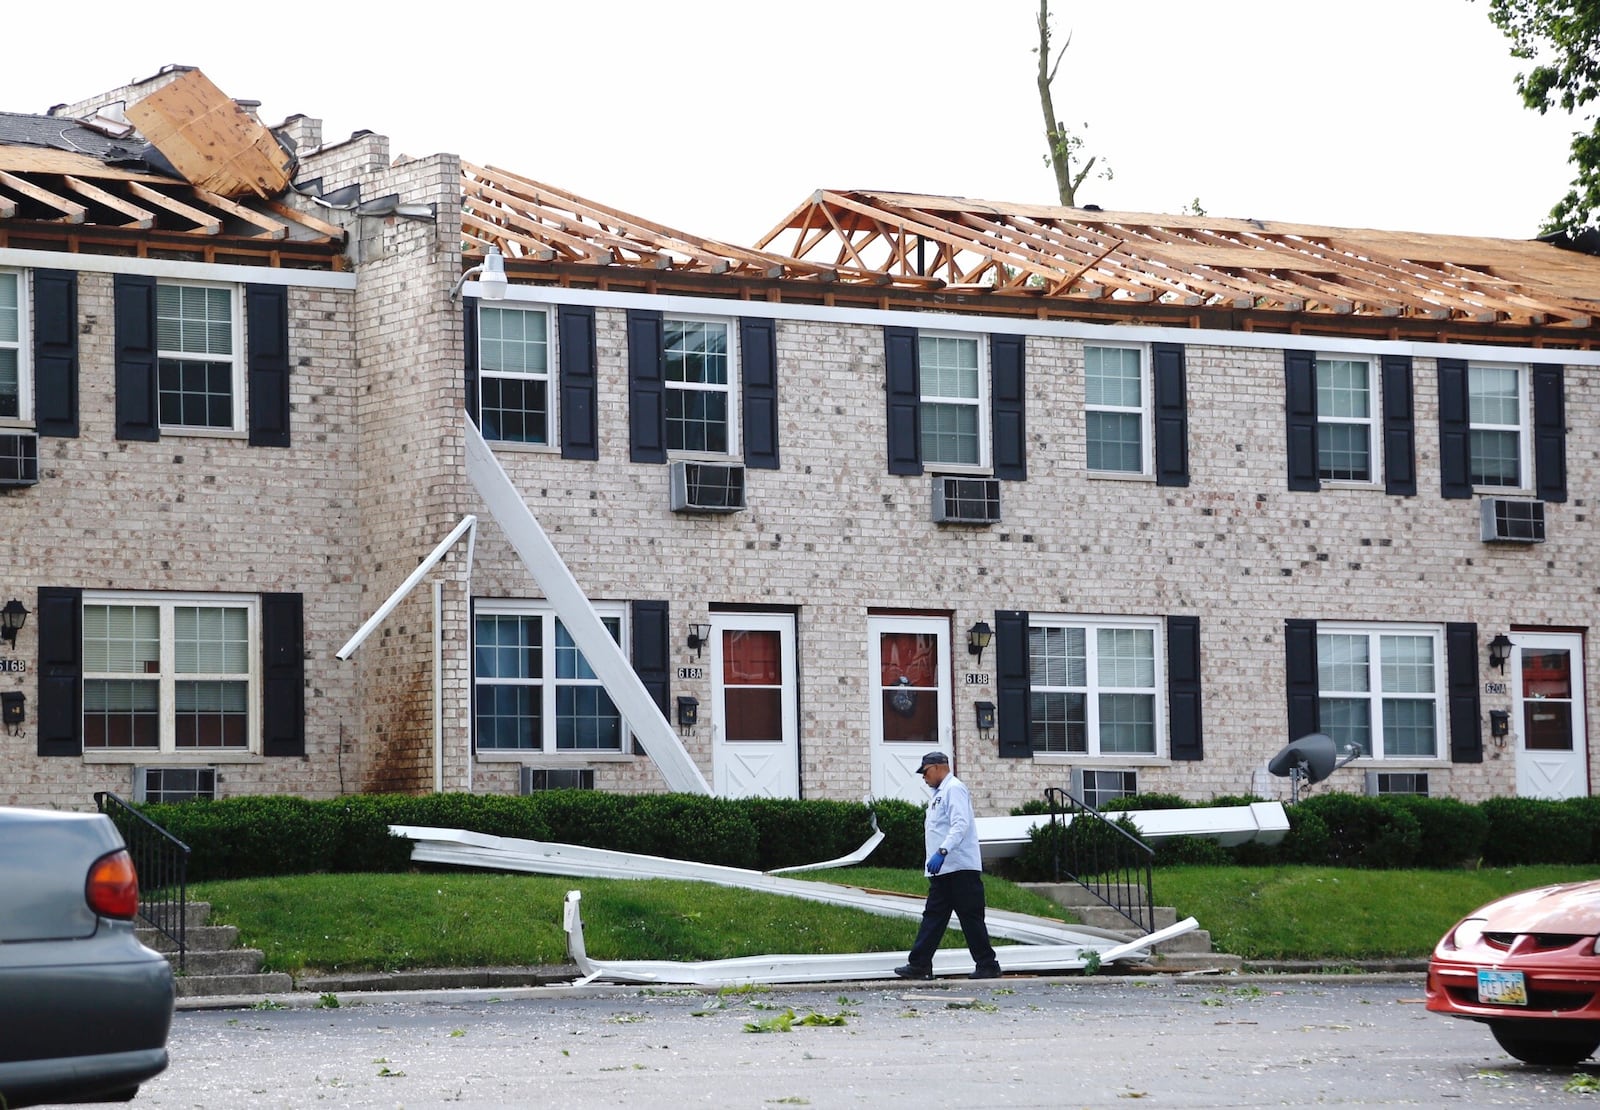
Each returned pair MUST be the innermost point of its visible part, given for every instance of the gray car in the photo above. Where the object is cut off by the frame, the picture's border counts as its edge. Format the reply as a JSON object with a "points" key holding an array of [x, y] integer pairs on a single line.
{"points": [[84, 1007]]}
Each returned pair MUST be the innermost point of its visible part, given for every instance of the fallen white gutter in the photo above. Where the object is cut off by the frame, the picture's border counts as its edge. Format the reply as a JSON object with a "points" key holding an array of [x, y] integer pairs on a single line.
{"points": [[741, 970], [1264, 822]]}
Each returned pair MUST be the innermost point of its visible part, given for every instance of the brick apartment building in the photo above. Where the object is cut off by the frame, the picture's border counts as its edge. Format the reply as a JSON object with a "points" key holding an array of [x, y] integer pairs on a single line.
{"points": [[1123, 502]]}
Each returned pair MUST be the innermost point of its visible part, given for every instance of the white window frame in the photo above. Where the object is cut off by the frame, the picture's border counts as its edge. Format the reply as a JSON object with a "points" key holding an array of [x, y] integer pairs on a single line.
{"points": [[1372, 421], [167, 748], [1092, 690], [1523, 428], [980, 404], [730, 389], [1145, 410], [548, 377], [24, 350], [546, 753], [237, 376], [1375, 696]]}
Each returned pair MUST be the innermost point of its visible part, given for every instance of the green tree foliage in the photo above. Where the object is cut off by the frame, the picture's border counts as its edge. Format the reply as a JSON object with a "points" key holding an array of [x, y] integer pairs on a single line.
{"points": [[1561, 38]]}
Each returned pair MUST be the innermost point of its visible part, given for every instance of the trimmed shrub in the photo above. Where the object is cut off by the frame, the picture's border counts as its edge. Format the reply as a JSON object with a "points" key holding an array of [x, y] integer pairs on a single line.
{"points": [[1535, 830], [1452, 832], [1363, 832]]}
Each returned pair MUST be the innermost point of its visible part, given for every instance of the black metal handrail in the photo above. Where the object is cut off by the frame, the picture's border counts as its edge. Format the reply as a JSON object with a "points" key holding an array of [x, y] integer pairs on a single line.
{"points": [[1101, 856], [162, 863]]}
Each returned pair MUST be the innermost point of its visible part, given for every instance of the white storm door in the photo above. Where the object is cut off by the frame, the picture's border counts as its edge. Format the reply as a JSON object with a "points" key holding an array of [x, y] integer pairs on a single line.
{"points": [[909, 667], [755, 738], [1547, 719]]}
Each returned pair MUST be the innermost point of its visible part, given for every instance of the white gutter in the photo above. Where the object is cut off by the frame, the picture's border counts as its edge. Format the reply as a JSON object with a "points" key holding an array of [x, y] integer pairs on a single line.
{"points": [[561, 589], [468, 523], [1263, 822]]}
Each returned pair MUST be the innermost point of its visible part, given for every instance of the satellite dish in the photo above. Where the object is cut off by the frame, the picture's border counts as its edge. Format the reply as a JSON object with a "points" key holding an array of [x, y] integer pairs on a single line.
{"points": [[1309, 759]]}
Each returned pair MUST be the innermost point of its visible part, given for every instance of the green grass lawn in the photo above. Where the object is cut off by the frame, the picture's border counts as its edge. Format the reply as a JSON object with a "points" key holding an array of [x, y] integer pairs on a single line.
{"points": [[326, 923]]}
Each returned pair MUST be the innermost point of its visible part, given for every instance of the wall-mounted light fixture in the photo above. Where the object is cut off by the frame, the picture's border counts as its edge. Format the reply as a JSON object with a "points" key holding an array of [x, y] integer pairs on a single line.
{"points": [[979, 636], [491, 275], [1500, 651], [12, 618], [699, 637]]}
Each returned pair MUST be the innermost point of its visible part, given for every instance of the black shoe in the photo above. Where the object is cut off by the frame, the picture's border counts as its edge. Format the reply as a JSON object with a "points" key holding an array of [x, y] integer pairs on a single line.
{"points": [[906, 971], [986, 972]]}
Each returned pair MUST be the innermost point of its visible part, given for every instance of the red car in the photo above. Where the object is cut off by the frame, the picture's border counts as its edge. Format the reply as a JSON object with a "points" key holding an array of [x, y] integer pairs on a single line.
{"points": [[1528, 966]]}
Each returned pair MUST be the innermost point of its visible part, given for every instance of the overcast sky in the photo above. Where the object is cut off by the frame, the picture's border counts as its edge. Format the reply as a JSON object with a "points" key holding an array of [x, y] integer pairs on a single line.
{"points": [[718, 117]]}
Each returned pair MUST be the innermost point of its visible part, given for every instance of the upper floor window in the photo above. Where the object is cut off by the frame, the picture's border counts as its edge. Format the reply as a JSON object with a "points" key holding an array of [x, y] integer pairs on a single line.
{"points": [[1346, 415], [170, 673], [535, 690], [700, 386], [1116, 410], [1497, 414], [11, 354], [1093, 686], [952, 383], [514, 374], [1379, 686], [199, 374]]}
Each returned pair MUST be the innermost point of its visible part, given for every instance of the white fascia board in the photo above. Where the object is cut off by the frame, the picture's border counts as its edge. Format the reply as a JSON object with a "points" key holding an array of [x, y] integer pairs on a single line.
{"points": [[171, 268], [847, 966], [561, 590], [997, 325], [1004, 837], [469, 849]]}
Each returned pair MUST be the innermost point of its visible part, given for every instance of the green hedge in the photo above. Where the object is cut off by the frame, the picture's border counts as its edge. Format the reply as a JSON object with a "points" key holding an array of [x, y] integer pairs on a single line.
{"points": [[283, 835]]}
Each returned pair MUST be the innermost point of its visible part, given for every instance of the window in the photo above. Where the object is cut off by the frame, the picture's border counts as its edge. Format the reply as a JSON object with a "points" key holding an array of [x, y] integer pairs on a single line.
{"points": [[199, 374], [174, 784], [952, 400], [514, 374], [11, 344], [1345, 420], [1095, 788], [1116, 410], [1380, 687], [700, 386], [535, 690], [1094, 686], [1496, 414], [170, 673]]}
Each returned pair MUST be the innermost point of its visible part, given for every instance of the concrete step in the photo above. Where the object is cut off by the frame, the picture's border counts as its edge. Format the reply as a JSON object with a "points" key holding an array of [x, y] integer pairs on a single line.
{"points": [[1169, 963], [226, 961], [200, 938], [213, 986], [1072, 895], [195, 913], [1104, 917]]}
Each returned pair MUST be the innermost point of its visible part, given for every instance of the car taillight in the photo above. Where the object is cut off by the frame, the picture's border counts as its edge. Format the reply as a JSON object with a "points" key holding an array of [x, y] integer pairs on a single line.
{"points": [[112, 889]]}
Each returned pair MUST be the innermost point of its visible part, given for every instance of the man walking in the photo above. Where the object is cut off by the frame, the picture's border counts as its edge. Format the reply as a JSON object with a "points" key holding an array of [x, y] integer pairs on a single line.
{"points": [[955, 875]]}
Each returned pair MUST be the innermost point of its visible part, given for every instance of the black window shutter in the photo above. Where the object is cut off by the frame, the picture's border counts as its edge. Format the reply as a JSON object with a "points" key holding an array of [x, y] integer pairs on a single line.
{"points": [[1300, 405], [1171, 414], [60, 709], [1008, 405], [55, 352], [1300, 659], [283, 716], [758, 350], [1183, 688], [266, 311], [1455, 475], [469, 355], [1549, 434], [1399, 428], [137, 417], [652, 650], [580, 387], [647, 388], [903, 390], [1014, 695], [1461, 658]]}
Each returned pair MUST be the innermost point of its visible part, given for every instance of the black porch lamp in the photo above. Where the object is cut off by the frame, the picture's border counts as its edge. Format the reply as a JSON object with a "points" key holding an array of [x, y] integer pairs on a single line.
{"points": [[979, 636], [1499, 651], [12, 618]]}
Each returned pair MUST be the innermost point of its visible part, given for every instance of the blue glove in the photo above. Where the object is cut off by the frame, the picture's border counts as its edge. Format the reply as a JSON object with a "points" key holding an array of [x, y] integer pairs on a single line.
{"points": [[935, 862]]}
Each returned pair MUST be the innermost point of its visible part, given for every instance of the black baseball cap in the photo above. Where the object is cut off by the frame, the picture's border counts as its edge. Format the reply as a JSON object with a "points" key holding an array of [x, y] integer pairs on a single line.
{"points": [[930, 759]]}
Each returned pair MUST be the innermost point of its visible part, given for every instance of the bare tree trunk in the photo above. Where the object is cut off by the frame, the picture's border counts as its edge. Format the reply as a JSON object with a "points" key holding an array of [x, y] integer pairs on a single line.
{"points": [[1054, 134]]}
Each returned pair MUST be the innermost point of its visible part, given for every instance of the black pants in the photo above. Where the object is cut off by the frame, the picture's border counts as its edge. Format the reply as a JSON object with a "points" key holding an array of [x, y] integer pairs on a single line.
{"points": [[961, 893]]}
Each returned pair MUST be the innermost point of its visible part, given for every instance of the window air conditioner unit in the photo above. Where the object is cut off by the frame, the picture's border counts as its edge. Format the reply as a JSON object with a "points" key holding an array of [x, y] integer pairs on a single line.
{"points": [[19, 459], [1397, 782], [1095, 788], [1508, 521], [174, 784], [707, 487], [535, 779], [966, 500]]}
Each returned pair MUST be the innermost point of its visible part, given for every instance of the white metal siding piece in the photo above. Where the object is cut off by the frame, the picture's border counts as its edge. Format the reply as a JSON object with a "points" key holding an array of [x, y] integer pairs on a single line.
{"points": [[561, 589], [1264, 822]]}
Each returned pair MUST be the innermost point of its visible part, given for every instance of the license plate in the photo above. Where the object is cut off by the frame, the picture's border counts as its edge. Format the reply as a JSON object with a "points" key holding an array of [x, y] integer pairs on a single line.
{"points": [[1504, 988]]}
